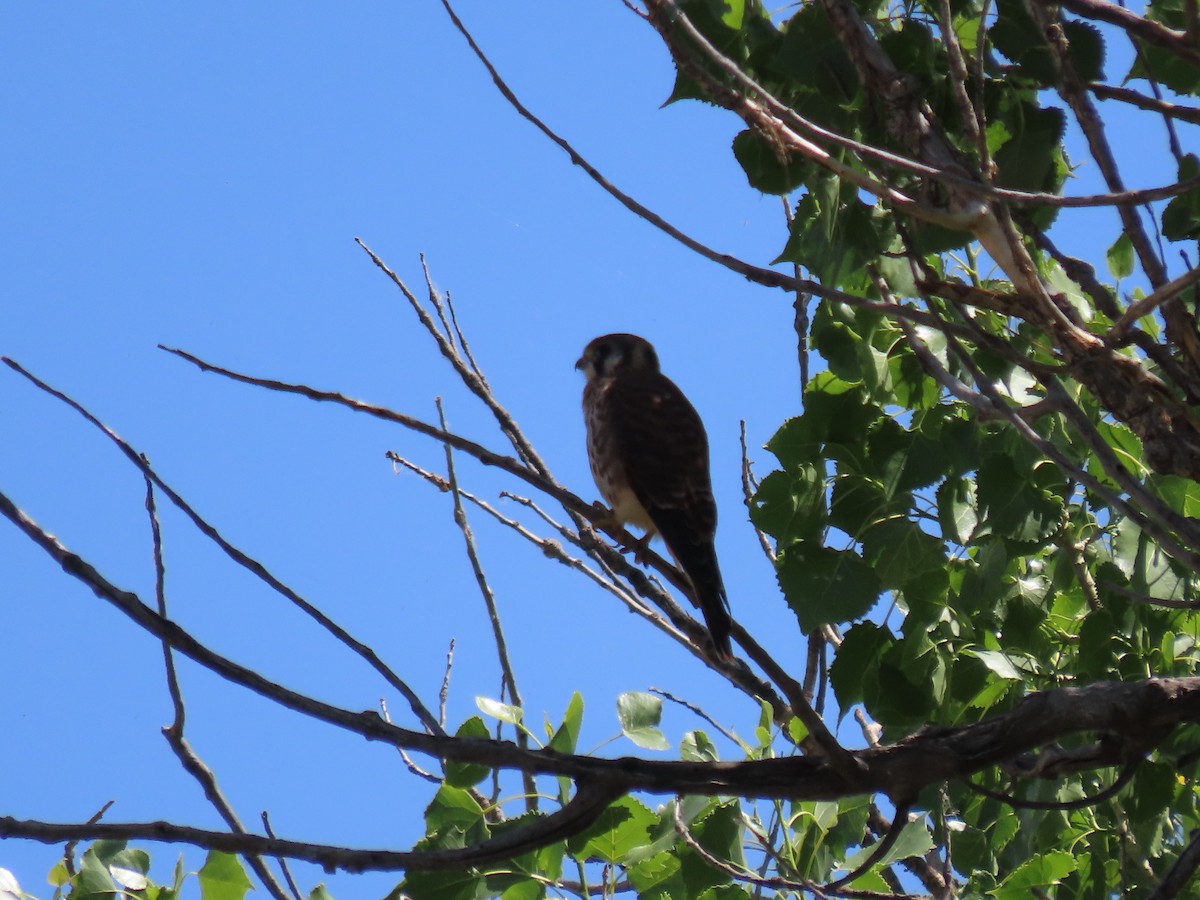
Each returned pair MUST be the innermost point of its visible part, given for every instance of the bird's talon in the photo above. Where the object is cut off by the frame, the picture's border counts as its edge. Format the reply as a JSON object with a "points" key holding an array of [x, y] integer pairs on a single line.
{"points": [[604, 518], [640, 548]]}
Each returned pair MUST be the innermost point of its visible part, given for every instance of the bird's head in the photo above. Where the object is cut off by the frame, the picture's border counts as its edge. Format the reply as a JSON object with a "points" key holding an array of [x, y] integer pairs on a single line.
{"points": [[606, 356]]}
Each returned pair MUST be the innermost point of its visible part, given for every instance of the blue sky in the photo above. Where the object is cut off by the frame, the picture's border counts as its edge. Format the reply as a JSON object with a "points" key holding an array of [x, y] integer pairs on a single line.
{"points": [[195, 175]]}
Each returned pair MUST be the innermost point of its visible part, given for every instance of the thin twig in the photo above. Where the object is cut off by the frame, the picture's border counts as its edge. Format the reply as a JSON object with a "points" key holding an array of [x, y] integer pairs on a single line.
{"points": [[553, 549], [899, 823], [435, 300], [188, 758], [691, 707], [1151, 104], [283, 863], [1072, 90], [1149, 303], [736, 872], [69, 848], [738, 673], [749, 488], [489, 602], [467, 371], [409, 763], [1122, 779], [444, 693]]}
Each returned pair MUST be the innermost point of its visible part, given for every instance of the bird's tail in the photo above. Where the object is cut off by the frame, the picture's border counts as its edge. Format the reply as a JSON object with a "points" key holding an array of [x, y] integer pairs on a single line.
{"points": [[696, 555], [714, 603]]}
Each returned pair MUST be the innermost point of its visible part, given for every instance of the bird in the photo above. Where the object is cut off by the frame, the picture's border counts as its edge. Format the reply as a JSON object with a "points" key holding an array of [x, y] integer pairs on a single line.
{"points": [[648, 452]]}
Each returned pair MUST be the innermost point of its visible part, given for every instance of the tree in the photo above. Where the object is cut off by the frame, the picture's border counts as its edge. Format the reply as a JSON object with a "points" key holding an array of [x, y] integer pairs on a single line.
{"points": [[982, 519]]}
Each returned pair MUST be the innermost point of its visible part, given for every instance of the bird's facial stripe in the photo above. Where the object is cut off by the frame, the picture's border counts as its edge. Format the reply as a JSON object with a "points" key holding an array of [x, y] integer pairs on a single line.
{"points": [[610, 358]]}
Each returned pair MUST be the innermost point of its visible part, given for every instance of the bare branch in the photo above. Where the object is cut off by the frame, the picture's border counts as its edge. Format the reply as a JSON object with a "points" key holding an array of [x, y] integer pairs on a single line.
{"points": [[1152, 104], [1151, 302], [466, 368], [69, 849], [1123, 778], [899, 821], [283, 865], [188, 758], [1141, 712], [242, 559], [588, 802], [489, 601]]}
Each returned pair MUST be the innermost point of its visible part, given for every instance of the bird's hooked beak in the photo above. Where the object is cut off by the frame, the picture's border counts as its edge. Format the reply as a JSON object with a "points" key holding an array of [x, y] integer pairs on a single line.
{"points": [[580, 363]]}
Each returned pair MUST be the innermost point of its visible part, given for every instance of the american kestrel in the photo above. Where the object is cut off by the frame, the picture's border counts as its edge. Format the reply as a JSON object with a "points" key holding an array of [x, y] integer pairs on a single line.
{"points": [[649, 455]]}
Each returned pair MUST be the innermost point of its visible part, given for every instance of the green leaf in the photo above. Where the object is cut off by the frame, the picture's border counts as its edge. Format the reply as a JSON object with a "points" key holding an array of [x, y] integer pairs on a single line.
{"points": [[725, 892], [823, 81], [461, 885], [1010, 505], [1039, 872], [824, 586], [106, 851], [502, 711], [834, 234], [1182, 494], [320, 892], [461, 774], [956, 509], [1120, 257], [1148, 568], [719, 831], [1125, 444], [765, 171], [1087, 51], [1181, 218], [639, 714], [1097, 645], [566, 737], [452, 807], [623, 826], [857, 660], [527, 889], [1018, 37], [1032, 159], [898, 551], [92, 882], [57, 877], [1163, 65], [223, 878], [790, 505], [637, 709], [856, 503], [129, 868], [544, 861], [914, 840], [999, 663], [697, 747]]}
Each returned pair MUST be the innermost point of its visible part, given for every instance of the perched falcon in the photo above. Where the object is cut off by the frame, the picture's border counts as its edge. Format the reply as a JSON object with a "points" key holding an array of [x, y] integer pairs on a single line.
{"points": [[649, 456]]}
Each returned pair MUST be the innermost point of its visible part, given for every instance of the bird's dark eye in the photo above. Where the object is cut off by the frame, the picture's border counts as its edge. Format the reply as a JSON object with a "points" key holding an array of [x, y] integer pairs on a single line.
{"points": [[601, 351]]}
